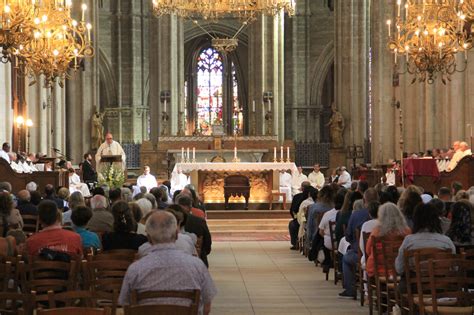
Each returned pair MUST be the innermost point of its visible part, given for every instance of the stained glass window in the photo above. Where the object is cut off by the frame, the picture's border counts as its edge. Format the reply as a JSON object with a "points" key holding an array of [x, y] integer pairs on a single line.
{"points": [[209, 90]]}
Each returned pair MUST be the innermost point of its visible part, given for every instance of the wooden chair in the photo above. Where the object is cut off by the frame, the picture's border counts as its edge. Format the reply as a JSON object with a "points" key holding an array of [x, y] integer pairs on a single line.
{"points": [[5, 275], [116, 254], [42, 276], [104, 278], [30, 224], [164, 309], [359, 273], [74, 311], [14, 303], [236, 185], [277, 194], [334, 252], [199, 245], [447, 282], [387, 281], [363, 277], [407, 300]]}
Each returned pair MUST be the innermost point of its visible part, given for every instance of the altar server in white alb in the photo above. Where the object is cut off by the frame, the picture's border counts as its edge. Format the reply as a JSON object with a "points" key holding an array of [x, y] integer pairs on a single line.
{"points": [[110, 147], [285, 185], [298, 179], [178, 180], [146, 179], [316, 178], [75, 184]]}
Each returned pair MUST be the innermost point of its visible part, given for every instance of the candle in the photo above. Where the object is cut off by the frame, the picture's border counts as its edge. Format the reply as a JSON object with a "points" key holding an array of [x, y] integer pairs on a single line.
{"points": [[194, 153], [406, 11], [389, 23], [164, 110], [84, 8], [182, 153], [235, 152], [399, 2], [274, 153], [253, 107], [187, 153], [281, 153], [288, 154]]}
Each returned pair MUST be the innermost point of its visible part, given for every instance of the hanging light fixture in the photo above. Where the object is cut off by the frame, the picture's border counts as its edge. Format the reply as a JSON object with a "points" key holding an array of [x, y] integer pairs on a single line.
{"points": [[428, 36], [213, 10], [16, 25], [59, 42]]}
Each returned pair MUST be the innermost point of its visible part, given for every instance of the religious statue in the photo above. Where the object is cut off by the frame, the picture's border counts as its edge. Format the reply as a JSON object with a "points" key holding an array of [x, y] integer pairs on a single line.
{"points": [[336, 125], [97, 133]]}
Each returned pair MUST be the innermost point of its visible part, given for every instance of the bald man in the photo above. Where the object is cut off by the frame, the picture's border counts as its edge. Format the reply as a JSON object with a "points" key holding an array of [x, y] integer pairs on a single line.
{"points": [[110, 147], [462, 150]]}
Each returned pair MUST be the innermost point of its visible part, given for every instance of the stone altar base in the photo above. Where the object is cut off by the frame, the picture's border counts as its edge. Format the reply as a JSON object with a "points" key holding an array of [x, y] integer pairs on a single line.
{"points": [[337, 157]]}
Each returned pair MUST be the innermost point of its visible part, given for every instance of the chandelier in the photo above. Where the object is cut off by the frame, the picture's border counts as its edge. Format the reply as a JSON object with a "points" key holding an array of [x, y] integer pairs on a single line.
{"points": [[429, 35], [59, 42], [16, 26], [213, 10]]}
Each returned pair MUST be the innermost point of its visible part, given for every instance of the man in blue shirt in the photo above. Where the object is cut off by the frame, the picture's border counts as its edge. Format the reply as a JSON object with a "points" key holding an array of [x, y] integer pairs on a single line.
{"points": [[349, 261], [80, 217]]}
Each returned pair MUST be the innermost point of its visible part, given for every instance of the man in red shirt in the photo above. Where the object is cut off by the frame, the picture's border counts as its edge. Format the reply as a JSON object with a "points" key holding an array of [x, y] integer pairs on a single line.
{"points": [[53, 236], [186, 202]]}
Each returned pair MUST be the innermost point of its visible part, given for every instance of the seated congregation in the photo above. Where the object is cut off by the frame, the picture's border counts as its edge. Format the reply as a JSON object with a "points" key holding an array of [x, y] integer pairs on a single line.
{"points": [[400, 250], [106, 253]]}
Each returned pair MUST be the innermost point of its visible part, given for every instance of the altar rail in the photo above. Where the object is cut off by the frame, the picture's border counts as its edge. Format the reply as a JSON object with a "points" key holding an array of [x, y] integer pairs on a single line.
{"points": [[19, 180]]}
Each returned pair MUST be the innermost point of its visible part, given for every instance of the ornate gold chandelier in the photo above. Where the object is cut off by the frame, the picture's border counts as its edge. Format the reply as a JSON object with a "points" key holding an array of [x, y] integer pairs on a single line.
{"points": [[467, 7], [16, 25], [214, 10], [429, 35], [59, 42]]}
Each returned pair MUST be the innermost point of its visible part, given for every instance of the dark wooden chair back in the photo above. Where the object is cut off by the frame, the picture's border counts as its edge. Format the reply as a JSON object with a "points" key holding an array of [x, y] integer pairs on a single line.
{"points": [[237, 186], [334, 251], [409, 258], [74, 311], [163, 309], [5, 275], [30, 224], [14, 303], [116, 254], [447, 282], [104, 278], [71, 298]]}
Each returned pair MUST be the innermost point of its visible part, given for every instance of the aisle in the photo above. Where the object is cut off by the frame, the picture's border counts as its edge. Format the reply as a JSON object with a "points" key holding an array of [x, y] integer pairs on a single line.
{"points": [[268, 278]]}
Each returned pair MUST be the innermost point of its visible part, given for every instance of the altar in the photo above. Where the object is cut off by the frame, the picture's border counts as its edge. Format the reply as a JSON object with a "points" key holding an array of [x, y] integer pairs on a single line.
{"points": [[208, 178]]}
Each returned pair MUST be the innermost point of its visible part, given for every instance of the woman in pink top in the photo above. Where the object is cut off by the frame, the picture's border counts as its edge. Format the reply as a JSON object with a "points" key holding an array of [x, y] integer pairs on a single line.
{"points": [[392, 225]]}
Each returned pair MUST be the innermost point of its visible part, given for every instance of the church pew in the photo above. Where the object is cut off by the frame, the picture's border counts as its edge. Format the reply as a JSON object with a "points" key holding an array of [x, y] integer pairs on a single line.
{"points": [[19, 180]]}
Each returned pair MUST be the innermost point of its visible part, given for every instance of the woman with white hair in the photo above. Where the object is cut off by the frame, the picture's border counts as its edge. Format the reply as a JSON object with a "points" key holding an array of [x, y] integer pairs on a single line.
{"points": [[392, 225]]}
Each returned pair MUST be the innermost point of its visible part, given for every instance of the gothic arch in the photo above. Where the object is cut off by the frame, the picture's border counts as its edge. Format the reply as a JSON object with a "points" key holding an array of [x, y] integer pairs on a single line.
{"points": [[108, 81], [226, 30], [319, 72]]}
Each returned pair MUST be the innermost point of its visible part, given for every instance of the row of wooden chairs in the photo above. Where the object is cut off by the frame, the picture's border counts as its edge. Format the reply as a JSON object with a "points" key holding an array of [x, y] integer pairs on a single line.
{"points": [[86, 303]]}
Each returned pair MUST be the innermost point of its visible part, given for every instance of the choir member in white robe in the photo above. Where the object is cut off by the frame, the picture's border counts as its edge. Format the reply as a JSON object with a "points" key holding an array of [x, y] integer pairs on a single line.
{"points": [[13, 163], [146, 179], [285, 185], [4, 152], [76, 185], [298, 179], [110, 147], [178, 181], [316, 178]]}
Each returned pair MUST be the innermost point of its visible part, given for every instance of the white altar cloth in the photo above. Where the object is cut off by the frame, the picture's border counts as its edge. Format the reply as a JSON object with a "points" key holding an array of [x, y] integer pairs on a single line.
{"points": [[235, 167]]}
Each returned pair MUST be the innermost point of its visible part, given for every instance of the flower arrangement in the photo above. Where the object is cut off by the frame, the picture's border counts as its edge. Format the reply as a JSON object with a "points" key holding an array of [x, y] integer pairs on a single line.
{"points": [[112, 176]]}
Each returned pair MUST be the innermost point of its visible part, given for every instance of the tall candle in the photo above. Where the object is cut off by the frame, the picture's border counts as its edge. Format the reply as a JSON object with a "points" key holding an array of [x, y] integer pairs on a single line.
{"points": [[187, 153], [194, 153], [164, 107], [281, 153], [253, 107], [235, 152], [274, 153], [182, 153], [288, 153]]}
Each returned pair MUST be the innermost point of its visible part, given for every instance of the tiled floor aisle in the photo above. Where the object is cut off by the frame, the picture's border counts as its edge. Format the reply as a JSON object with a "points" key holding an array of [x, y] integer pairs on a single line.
{"points": [[268, 278]]}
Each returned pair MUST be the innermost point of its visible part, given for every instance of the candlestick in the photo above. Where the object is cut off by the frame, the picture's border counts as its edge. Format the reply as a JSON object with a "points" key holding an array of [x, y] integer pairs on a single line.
{"points": [[288, 154], [274, 154], [235, 152], [164, 106], [187, 153], [182, 154], [194, 154], [281, 154], [253, 107]]}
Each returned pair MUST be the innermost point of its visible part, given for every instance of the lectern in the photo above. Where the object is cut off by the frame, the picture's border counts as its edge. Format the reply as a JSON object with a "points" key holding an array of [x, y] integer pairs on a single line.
{"points": [[110, 159]]}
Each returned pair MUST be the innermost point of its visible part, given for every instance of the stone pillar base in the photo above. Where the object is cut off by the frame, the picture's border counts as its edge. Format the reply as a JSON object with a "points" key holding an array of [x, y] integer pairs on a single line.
{"points": [[337, 157]]}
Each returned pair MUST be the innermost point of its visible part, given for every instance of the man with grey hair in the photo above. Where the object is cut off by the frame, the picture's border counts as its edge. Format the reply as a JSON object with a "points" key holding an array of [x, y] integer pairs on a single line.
{"points": [[24, 204], [165, 268], [102, 219], [31, 186]]}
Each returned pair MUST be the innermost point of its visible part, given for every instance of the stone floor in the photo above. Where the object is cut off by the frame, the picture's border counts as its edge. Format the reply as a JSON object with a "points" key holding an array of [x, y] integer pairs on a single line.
{"points": [[268, 278]]}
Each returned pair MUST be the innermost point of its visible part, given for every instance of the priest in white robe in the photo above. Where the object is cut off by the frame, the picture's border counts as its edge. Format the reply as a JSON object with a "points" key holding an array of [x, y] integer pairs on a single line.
{"points": [[146, 179], [178, 181], [298, 179], [285, 185], [110, 147], [75, 184]]}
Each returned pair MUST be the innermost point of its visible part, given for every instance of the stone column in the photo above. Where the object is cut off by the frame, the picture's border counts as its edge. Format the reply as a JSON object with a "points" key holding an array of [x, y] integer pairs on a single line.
{"points": [[6, 111], [166, 55], [351, 26], [266, 60]]}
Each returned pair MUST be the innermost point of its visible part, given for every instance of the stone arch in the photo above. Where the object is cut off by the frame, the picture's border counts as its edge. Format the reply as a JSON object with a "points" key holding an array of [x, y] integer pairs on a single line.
{"points": [[109, 91], [319, 72], [227, 30]]}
